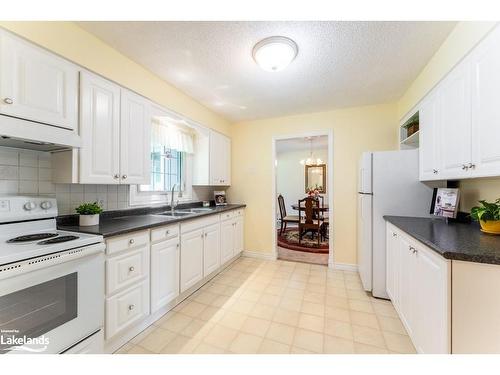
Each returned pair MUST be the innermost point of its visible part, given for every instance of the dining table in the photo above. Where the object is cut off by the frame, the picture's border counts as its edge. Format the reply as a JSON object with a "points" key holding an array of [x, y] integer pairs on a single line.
{"points": [[296, 207]]}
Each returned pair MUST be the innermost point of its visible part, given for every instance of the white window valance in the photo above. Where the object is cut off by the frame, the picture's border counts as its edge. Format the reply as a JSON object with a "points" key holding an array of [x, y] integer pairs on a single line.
{"points": [[172, 134]]}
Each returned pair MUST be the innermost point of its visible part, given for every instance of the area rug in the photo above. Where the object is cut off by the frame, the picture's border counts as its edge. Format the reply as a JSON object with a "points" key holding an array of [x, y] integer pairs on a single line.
{"points": [[290, 240]]}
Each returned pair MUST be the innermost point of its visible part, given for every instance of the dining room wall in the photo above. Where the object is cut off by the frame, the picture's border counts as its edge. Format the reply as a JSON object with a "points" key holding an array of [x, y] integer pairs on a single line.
{"points": [[290, 175]]}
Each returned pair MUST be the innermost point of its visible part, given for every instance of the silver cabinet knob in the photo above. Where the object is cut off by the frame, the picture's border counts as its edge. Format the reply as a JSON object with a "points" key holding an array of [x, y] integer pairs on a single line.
{"points": [[131, 241], [131, 307], [124, 176], [206, 234], [471, 166], [116, 176], [167, 232], [177, 245], [464, 167], [8, 101], [435, 171], [394, 234], [131, 269]]}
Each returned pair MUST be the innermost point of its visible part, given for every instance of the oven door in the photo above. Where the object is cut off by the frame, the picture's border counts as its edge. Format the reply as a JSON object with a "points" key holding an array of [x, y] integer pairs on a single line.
{"points": [[49, 304]]}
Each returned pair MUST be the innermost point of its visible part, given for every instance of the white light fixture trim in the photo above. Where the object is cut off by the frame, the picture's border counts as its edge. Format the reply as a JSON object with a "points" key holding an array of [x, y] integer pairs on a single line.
{"points": [[275, 53]]}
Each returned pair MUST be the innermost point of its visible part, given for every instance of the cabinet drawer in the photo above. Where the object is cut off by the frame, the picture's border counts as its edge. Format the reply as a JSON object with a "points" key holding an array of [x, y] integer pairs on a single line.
{"points": [[126, 242], [238, 212], [127, 308], [164, 233], [227, 215], [126, 268], [199, 223]]}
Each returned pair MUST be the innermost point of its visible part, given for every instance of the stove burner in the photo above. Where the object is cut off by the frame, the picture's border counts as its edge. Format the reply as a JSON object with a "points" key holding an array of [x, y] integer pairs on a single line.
{"points": [[32, 237], [58, 239]]}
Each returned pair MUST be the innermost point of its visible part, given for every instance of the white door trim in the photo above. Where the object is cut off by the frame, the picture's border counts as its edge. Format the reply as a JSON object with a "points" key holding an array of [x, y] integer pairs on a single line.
{"points": [[331, 192]]}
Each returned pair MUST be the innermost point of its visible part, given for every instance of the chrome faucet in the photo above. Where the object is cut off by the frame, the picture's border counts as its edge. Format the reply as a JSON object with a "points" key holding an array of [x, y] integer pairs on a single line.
{"points": [[172, 199]]}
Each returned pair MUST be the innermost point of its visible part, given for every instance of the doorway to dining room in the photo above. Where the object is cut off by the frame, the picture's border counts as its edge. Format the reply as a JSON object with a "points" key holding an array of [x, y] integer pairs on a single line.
{"points": [[302, 208]]}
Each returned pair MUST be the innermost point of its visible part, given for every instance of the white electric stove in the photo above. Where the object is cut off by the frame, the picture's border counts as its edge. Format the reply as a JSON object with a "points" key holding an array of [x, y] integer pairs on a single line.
{"points": [[51, 281]]}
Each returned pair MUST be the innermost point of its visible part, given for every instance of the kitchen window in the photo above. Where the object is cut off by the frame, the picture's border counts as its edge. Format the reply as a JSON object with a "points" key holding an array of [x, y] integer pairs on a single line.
{"points": [[172, 148]]}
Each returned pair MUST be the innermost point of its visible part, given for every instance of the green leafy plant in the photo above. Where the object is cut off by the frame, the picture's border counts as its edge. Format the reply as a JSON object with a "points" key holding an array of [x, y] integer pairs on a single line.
{"points": [[89, 209], [486, 211]]}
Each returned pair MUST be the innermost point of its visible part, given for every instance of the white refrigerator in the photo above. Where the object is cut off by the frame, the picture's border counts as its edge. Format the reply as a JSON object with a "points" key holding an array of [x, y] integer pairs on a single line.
{"points": [[388, 184]]}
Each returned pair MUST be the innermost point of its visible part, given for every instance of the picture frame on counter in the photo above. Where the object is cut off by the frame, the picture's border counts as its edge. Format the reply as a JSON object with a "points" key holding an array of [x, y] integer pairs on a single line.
{"points": [[220, 198]]}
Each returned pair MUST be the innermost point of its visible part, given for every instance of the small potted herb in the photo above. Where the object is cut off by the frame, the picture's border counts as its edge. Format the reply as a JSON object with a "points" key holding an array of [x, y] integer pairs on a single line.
{"points": [[488, 215], [89, 213]]}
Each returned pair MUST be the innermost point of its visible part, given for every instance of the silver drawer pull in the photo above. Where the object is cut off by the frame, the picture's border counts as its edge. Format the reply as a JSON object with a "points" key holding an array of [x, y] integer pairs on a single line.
{"points": [[116, 176], [131, 269], [167, 232], [124, 176], [8, 101], [394, 234], [177, 245], [131, 307], [131, 241]]}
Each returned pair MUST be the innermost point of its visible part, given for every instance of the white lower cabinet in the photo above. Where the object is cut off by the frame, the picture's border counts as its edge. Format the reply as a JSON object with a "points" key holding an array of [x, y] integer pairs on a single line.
{"points": [[127, 282], [149, 271], [211, 249], [231, 235], [227, 240], [191, 258], [165, 262], [127, 308], [419, 285]]}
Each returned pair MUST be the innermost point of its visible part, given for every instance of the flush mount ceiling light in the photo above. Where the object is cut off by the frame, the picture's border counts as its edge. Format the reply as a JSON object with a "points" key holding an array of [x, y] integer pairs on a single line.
{"points": [[275, 53]]}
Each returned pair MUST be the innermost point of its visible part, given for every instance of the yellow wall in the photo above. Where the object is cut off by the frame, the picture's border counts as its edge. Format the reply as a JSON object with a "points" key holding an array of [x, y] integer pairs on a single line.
{"points": [[460, 41], [355, 130], [72, 42]]}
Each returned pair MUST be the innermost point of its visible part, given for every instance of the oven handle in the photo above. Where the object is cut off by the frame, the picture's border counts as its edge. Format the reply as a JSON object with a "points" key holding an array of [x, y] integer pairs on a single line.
{"points": [[33, 264]]}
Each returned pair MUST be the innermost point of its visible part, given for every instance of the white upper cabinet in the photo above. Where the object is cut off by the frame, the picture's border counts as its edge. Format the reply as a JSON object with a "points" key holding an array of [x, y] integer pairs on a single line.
{"points": [[485, 62], [430, 161], [212, 159], [36, 85], [100, 130], [459, 119], [220, 159], [135, 138], [455, 130]]}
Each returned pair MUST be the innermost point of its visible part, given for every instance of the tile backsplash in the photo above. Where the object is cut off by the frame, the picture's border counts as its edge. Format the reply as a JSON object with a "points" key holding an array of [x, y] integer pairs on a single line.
{"points": [[30, 172]]}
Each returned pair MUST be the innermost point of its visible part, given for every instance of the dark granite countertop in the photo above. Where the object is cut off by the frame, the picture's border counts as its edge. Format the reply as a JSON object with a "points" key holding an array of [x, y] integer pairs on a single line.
{"points": [[113, 223], [457, 241]]}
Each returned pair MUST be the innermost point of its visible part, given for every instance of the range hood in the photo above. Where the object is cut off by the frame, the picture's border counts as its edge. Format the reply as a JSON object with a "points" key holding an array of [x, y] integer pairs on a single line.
{"points": [[19, 133]]}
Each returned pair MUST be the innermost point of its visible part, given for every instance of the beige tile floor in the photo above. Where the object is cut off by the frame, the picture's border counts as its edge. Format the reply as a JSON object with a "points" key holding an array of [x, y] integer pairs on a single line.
{"points": [[257, 306]]}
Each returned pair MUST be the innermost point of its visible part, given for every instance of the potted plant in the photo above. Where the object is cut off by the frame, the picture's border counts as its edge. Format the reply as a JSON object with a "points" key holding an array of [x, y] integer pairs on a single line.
{"points": [[89, 213], [488, 215]]}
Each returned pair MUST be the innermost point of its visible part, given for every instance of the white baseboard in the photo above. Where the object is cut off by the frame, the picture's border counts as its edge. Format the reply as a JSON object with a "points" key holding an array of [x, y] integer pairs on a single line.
{"points": [[259, 255], [345, 267]]}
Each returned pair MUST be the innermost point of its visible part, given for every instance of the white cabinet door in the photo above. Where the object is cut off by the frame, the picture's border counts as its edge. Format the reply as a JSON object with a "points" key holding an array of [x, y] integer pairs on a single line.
{"points": [[99, 130], [37, 85], [238, 236], [431, 328], [211, 249], [164, 273], [430, 168], [227, 240], [485, 107], [135, 139], [191, 259], [393, 264], [407, 284], [455, 130], [220, 159]]}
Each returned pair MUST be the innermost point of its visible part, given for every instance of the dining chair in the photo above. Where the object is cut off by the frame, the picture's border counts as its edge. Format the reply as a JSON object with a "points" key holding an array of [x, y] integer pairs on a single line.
{"points": [[308, 221], [324, 218], [284, 218]]}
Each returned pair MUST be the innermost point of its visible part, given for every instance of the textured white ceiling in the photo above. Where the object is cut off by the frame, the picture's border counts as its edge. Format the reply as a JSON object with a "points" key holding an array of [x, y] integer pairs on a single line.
{"points": [[339, 64]]}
